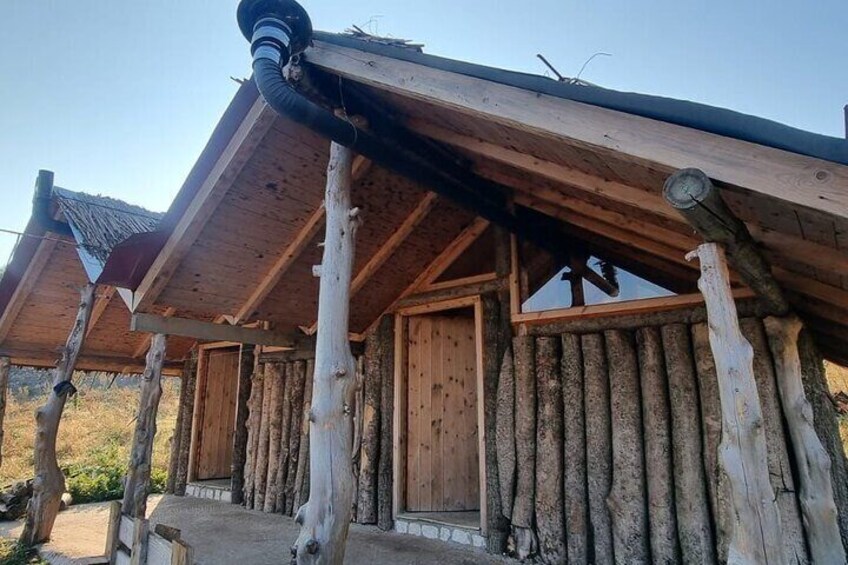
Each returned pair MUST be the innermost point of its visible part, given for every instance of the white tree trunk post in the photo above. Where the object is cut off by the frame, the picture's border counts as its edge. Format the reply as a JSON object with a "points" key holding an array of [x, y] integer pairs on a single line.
{"points": [[137, 484], [5, 363], [818, 507], [756, 536], [49, 483], [325, 518]]}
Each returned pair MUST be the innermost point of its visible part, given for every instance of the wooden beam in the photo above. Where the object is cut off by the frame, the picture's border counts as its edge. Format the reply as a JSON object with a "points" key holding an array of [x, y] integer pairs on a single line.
{"points": [[207, 331], [691, 192], [241, 147], [394, 242], [25, 285], [145, 342], [100, 307], [464, 281], [29, 355], [797, 179], [281, 266]]}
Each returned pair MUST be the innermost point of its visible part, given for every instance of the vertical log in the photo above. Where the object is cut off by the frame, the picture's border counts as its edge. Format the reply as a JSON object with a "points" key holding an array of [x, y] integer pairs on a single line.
{"points": [[49, 482], [325, 519], [505, 434], [4, 386], [549, 483], [598, 446], [366, 506], [826, 423], [247, 362], [137, 483], [626, 499], [658, 449], [777, 446], [358, 416], [813, 462], [574, 452], [174, 459], [254, 419], [260, 479], [189, 382], [387, 401], [717, 484], [296, 411], [284, 440], [280, 392], [756, 534], [525, 443], [301, 481], [690, 491]]}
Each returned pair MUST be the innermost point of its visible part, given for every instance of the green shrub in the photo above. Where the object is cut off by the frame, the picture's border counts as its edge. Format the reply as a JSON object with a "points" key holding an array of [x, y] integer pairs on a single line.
{"points": [[13, 553]]}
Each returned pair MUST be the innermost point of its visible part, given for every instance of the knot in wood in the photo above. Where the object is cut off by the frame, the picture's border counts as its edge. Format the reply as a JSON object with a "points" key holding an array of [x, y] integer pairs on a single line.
{"points": [[311, 415], [312, 547], [293, 550], [346, 409], [339, 372], [316, 271]]}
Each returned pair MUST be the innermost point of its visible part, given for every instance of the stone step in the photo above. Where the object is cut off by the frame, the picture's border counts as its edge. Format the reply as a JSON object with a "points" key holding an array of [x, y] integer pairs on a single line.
{"points": [[210, 492], [432, 529]]}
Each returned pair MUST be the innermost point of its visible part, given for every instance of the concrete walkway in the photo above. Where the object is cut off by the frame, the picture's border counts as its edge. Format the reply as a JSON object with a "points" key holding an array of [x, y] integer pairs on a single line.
{"points": [[224, 534]]}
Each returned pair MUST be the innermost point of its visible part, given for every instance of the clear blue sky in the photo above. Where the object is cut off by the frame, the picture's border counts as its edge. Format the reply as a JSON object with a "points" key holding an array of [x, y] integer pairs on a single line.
{"points": [[119, 97]]}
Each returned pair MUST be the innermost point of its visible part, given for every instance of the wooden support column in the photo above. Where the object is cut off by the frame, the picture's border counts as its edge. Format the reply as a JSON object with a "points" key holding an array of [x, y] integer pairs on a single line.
{"points": [[756, 535], [189, 383], [4, 385], [325, 518], [816, 489], [247, 362], [693, 195], [137, 484], [49, 483]]}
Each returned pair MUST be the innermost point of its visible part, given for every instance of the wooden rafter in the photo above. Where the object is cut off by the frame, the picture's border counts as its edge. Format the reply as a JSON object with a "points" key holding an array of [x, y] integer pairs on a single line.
{"points": [[26, 284], [241, 147], [100, 308], [145, 343], [208, 331], [794, 178]]}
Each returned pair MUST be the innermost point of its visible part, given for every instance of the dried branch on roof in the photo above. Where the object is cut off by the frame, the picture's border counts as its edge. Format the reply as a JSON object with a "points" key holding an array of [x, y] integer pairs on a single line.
{"points": [[358, 33]]}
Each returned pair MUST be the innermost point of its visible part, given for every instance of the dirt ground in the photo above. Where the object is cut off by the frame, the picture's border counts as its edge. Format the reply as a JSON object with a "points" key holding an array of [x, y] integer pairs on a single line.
{"points": [[223, 534]]}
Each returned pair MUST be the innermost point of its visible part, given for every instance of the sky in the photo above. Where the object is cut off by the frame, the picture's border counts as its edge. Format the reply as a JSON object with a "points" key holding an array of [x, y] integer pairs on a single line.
{"points": [[119, 98]]}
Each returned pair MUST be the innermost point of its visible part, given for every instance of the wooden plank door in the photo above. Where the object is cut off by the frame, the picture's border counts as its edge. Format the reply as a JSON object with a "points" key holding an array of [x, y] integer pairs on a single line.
{"points": [[217, 425], [442, 447]]}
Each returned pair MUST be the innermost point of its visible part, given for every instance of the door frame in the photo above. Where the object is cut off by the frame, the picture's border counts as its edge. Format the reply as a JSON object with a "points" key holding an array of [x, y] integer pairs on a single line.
{"points": [[401, 346], [203, 351]]}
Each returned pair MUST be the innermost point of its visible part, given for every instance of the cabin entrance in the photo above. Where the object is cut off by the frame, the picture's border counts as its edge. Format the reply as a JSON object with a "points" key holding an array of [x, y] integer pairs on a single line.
{"points": [[215, 413], [442, 448]]}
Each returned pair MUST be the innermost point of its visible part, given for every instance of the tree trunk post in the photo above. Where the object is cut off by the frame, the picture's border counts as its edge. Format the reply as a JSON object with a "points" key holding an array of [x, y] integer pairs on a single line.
{"points": [[325, 518], [816, 489], [247, 362], [49, 483], [4, 386], [756, 536], [137, 484], [186, 420]]}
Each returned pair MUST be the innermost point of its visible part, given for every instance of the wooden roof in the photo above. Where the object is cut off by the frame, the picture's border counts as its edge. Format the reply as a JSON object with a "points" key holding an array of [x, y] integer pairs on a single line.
{"points": [[244, 238]]}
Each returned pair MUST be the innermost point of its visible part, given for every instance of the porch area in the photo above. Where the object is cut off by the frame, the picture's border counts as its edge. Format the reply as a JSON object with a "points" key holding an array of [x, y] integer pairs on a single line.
{"points": [[222, 534]]}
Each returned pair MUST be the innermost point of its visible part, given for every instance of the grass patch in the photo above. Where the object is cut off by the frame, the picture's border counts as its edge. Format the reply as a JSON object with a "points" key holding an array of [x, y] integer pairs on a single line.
{"points": [[95, 436], [13, 553]]}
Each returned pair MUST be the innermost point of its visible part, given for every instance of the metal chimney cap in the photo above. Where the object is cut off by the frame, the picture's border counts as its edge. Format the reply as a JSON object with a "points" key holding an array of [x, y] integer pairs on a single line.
{"points": [[288, 11]]}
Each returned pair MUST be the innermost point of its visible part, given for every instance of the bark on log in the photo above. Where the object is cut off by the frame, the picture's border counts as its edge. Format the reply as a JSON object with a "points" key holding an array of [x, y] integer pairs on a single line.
{"points": [[277, 429], [826, 423], [248, 356], [693, 195], [525, 443], [777, 445], [358, 416], [174, 458], [659, 470], [186, 420], [598, 446], [717, 485], [387, 400], [550, 524], [4, 385], [574, 442], [260, 479], [757, 533], [301, 481], [505, 434], [813, 462], [626, 499], [254, 419], [137, 483], [369, 459], [690, 491], [49, 482], [325, 519], [284, 453], [296, 410]]}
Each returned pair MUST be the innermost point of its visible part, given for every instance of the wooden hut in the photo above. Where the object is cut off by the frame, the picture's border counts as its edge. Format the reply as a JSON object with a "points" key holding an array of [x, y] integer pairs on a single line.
{"points": [[536, 371]]}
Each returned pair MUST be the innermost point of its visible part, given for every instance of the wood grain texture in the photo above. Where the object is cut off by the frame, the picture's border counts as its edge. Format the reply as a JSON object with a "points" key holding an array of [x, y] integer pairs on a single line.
{"points": [[574, 451]]}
